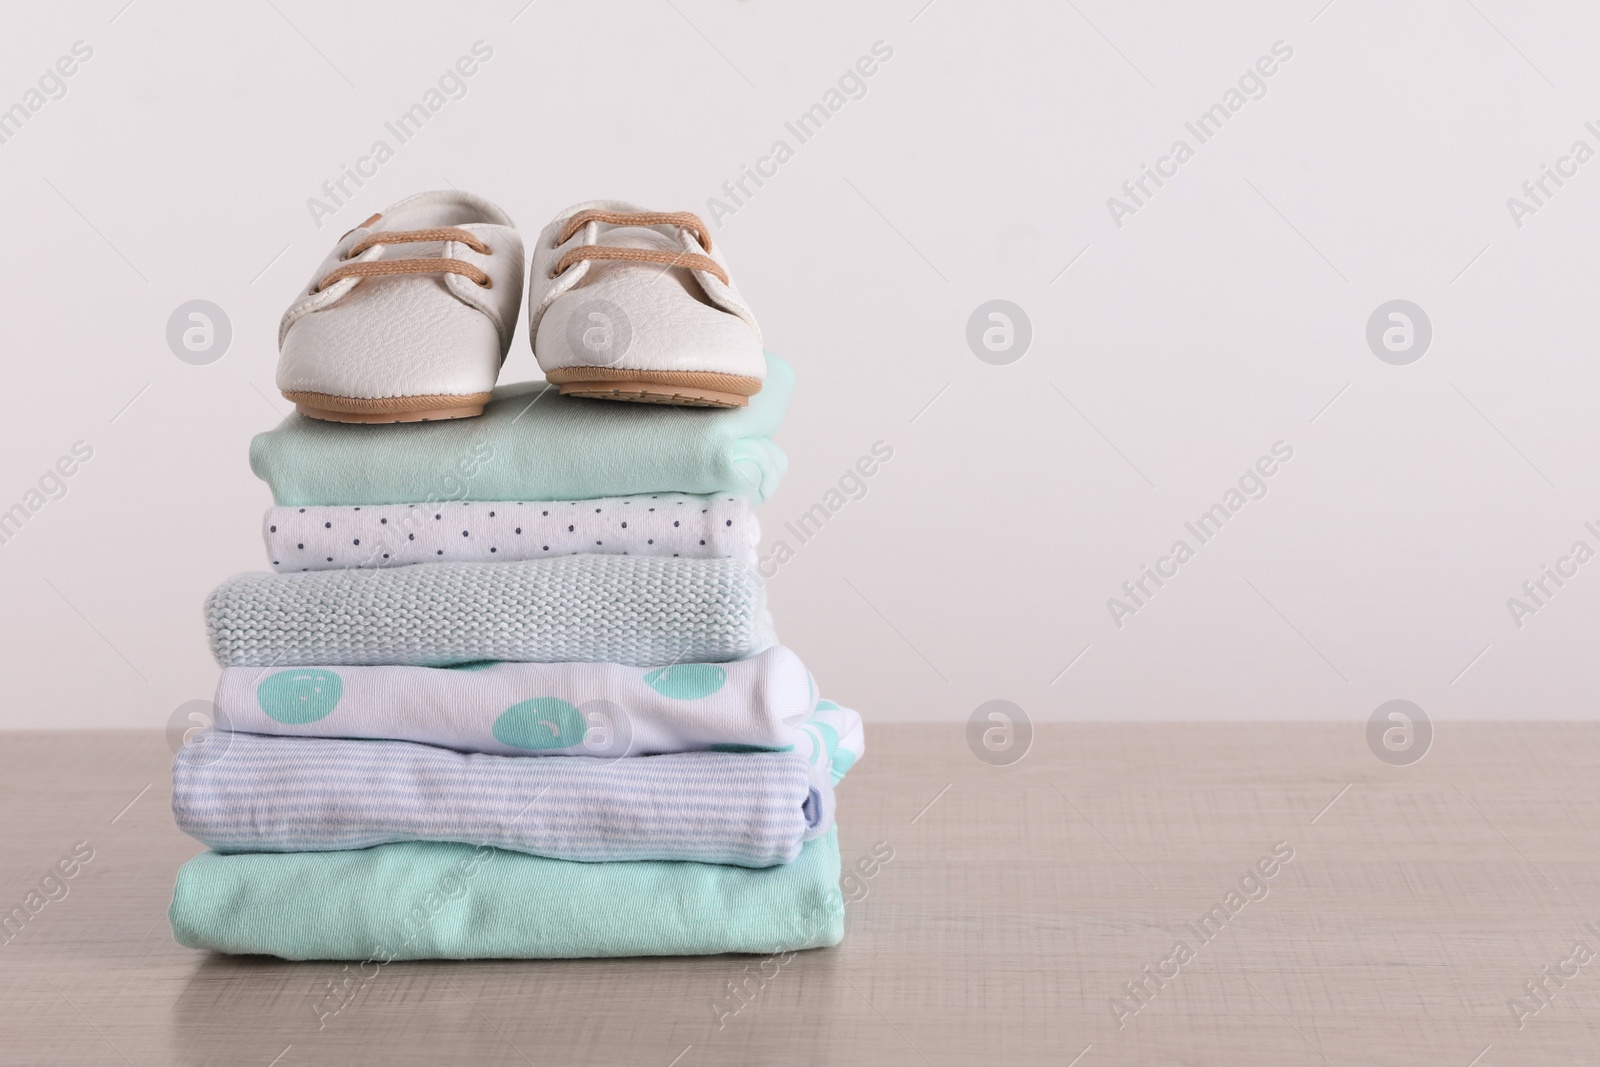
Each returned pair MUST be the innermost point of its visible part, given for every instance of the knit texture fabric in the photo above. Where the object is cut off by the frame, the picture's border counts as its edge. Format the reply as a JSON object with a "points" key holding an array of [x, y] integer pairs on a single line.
{"points": [[239, 792], [436, 901], [532, 443], [617, 609]]}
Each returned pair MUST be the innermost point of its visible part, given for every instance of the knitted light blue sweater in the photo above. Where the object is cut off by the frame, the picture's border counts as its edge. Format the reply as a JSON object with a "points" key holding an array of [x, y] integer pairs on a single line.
{"points": [[636, 610]]}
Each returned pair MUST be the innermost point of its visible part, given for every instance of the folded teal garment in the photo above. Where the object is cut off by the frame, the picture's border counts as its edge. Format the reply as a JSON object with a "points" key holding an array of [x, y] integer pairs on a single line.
{"points": [[417, 901], [532, 443]]}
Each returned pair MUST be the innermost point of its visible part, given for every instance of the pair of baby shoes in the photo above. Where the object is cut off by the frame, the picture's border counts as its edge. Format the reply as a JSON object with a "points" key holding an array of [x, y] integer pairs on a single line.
{"points": [[411, 315]]}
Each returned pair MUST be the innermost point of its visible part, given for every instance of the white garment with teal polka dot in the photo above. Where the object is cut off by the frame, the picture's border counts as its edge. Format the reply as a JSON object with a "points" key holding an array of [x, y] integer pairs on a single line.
{"points": [[765, 703]]}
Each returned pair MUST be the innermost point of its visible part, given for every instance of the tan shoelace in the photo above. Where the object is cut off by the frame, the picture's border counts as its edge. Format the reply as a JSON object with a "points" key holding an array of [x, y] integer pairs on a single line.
{"points": [[687, 220], [438, 265]]}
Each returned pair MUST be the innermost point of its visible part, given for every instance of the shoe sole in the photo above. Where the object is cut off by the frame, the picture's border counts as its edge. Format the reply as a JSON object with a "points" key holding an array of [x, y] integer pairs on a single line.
{"points": [[437, 407], [691, 389]]}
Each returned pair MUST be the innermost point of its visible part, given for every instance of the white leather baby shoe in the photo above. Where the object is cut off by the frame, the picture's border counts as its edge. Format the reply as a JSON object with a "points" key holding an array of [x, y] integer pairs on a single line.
{"points": [[628, 304], [409, 318]]}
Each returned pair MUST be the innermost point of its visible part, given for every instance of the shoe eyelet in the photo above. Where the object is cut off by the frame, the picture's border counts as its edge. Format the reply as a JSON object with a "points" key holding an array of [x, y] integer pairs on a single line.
{"points": [[487, 284]]}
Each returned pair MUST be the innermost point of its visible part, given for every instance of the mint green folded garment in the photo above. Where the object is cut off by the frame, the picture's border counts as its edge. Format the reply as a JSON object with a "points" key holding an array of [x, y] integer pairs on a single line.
{"points": [[532, 443], [418, 901]]}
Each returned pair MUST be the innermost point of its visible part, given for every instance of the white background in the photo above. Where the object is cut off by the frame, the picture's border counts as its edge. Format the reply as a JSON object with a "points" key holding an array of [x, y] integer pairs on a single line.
{"points": [[1224, 316]]}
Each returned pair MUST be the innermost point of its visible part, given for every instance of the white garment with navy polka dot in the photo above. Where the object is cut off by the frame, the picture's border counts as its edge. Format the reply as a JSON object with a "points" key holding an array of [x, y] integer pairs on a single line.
{"points": [[465, 531]]}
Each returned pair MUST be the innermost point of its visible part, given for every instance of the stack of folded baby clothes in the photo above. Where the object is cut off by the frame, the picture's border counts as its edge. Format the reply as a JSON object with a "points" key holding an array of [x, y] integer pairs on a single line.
{"points": [[513, 692]]}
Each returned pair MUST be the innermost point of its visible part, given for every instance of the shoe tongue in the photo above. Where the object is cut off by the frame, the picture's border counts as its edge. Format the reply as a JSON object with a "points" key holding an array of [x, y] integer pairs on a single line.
{"points": [[426, 216], [637, 237]]}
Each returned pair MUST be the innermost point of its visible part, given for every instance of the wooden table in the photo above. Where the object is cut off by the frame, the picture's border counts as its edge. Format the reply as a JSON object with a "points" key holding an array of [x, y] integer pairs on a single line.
{"points": [[1019, 901]]}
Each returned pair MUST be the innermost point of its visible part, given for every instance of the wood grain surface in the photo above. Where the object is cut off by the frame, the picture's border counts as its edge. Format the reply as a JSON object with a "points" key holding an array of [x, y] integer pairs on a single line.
{"points": [[1019, 901]]}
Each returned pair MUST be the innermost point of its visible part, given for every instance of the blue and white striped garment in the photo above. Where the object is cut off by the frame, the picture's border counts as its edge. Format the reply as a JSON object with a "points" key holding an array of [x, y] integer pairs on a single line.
{"points": [[240, 792]]}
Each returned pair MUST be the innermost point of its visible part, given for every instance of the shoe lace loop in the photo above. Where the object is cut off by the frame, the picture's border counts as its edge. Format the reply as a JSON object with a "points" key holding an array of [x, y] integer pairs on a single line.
{"points": [[686, 220], [430, 265]]}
